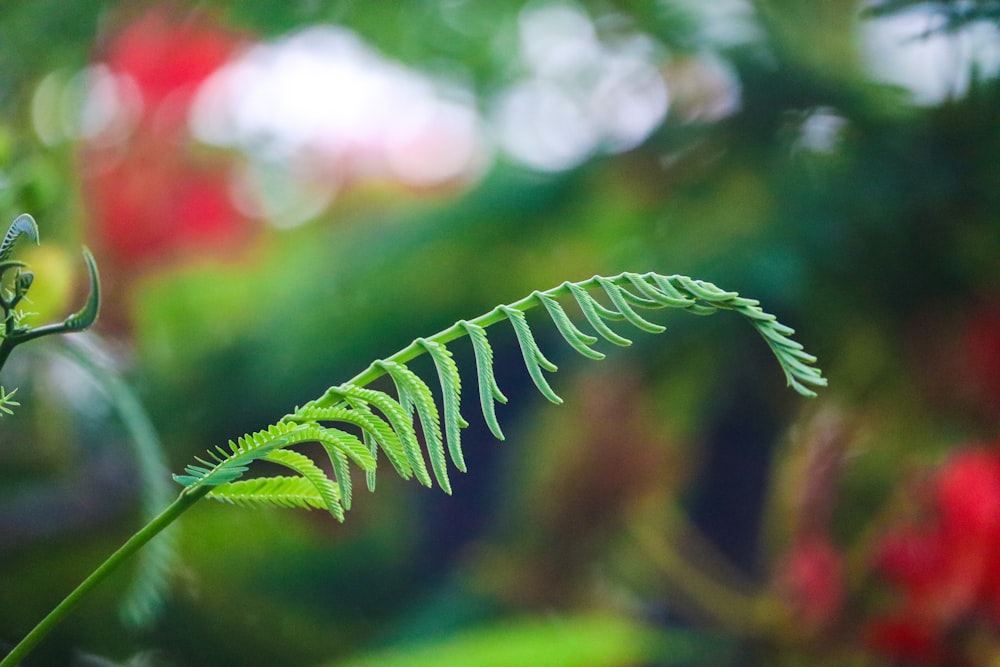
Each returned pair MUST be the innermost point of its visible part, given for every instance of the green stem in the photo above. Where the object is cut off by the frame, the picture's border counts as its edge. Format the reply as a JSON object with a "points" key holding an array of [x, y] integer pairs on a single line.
{"points": [[183, 502], [5, 349]]}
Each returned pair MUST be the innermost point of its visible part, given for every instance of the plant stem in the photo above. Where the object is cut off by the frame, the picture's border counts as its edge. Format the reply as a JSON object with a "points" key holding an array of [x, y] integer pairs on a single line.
{"points": [[183, 502], [747, 615]]}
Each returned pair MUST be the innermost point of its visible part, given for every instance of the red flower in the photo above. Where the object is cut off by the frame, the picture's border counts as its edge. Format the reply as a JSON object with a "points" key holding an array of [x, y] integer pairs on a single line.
{"points": [[154, 196], [169, 57], [150, 210], [947, 569], [907, 640]]}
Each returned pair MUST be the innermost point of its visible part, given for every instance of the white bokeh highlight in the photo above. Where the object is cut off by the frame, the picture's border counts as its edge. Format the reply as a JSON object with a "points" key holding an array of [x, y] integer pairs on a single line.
{"points": [[909, 50], [320, 109], [578, 95]]}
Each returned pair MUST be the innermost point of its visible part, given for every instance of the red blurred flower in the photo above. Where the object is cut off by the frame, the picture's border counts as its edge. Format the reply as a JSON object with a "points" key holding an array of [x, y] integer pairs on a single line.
{"points": [[907, 640], [168, 56], [812, 578], [947, 568], [154, 195], [150, 210]]}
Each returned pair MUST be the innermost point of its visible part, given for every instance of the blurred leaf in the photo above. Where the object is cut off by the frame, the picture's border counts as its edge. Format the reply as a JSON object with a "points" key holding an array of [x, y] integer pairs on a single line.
{"points": [[575, 641], [143, 600], [956, 14]]}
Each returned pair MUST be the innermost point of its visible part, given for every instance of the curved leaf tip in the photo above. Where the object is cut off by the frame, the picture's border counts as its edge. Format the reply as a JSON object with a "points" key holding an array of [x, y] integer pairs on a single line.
{"points": [[87, 315], [23, 225]]}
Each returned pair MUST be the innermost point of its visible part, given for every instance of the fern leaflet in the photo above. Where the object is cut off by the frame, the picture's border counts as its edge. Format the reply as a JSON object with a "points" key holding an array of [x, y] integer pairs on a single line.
{"points": [[451, 390], [280, 491], [534, 360], [578, 340], [489, 392], [596, 314]]}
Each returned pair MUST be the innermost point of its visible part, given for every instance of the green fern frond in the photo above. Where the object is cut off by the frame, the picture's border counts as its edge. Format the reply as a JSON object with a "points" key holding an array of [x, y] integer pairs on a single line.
{"points": [[78, 321], [390, 422], [13, 331], [281, 491], [796, 363], [343, 474]]}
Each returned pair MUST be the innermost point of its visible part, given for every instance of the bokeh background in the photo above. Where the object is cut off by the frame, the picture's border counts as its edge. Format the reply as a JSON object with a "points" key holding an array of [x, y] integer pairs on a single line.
{"points": [[279, 192]]}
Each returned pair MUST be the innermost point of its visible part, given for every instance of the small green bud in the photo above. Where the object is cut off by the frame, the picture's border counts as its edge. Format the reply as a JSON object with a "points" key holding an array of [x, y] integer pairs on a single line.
{"points": [[23, 282]]}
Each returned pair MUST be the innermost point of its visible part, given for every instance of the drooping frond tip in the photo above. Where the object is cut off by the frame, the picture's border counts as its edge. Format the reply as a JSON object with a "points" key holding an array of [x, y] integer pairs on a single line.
{"points": [[355, 423]]}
